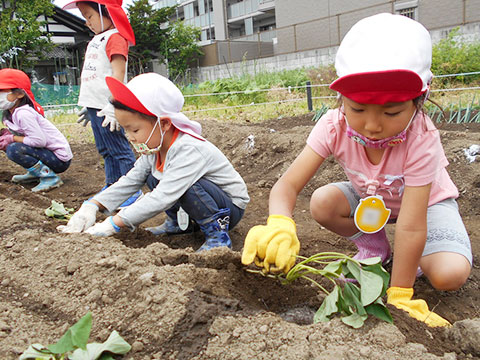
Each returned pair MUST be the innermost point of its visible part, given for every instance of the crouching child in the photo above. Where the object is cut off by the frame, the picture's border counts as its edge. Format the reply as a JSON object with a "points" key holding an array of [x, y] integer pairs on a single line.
{"points": [[189, 177]]}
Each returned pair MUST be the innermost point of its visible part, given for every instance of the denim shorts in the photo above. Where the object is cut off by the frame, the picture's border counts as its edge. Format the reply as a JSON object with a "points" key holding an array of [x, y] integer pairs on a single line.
{"points": [[445, 228]]}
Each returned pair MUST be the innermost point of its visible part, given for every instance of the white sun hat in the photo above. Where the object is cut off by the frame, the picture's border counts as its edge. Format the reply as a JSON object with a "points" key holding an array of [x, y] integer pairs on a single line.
{"points": [[384, 58], [153, 94]]}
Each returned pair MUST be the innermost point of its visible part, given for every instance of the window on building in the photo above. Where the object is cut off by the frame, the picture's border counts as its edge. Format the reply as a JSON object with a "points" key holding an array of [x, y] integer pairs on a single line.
{"points": [[407, 8]]}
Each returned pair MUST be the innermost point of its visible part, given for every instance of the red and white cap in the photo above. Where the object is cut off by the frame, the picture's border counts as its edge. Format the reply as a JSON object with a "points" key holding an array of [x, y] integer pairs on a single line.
{"points": [[384, 58], [118, 16], [153, 94], [17, 79]]}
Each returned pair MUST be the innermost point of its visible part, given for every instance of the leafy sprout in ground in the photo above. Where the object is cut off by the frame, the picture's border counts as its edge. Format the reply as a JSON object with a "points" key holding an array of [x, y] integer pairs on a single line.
{"points": [[358, 286], [58, 211], [73, 345]]}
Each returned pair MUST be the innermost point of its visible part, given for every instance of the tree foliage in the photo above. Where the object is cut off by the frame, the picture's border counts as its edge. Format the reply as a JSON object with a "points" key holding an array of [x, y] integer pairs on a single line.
{"points": [[453, 55], [182, 49], [150, 36], [24, 36], [157, 38]]}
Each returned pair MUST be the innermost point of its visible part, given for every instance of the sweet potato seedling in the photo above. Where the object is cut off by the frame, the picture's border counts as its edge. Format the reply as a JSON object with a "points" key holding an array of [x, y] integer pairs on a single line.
{"points": [[358, 286], [73, 345], [59, 211]]}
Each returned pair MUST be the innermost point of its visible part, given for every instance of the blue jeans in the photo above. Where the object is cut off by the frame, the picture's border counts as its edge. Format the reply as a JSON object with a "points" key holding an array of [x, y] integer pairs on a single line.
{"points": [[28, 156], [201, 201], [114, 148]]}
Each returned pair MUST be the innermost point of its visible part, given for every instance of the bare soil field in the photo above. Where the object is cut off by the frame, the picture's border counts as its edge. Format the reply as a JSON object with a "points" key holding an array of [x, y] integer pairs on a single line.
{"points": [[170, 302]]}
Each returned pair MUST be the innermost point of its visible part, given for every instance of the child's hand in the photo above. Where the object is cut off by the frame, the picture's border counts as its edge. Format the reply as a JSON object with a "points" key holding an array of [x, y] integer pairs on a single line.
{"points": [[274, 246], [83, 219], [106, 228], [401, 298], [83, 116], [110, 120], [6, 138]]}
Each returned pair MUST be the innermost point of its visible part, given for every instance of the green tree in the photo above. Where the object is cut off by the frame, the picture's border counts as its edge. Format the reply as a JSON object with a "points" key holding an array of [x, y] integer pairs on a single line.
{"points": [[23, 34], [182, 49], [156, 38], [150, 35]]}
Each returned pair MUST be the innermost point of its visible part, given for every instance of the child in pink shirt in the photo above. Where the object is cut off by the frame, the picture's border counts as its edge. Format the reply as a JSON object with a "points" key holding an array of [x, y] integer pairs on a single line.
{"points": [[29, 139], [392, 155]]}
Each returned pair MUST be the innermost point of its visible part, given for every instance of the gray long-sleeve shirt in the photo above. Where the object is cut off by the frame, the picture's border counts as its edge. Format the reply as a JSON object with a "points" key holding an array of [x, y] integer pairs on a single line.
{"points": [[187, 160]]}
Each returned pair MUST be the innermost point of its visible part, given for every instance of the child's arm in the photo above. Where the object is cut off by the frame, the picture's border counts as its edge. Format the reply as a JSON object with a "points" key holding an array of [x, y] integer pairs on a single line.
{"points": [[410, 238], [410, 235], [118, 67], [275, 246], [118, 63], [283, 195]]}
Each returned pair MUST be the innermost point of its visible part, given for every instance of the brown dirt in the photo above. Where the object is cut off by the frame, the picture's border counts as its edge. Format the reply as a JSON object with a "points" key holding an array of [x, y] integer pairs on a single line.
{"points": [[206, 306]]}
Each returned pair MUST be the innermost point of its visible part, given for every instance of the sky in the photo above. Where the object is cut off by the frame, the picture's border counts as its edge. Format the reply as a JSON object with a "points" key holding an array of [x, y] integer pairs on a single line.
{"points": [[61, 3]]}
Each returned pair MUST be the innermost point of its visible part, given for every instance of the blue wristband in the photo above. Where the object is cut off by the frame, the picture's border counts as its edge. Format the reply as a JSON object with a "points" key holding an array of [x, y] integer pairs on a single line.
{"points": [[115, 227]]}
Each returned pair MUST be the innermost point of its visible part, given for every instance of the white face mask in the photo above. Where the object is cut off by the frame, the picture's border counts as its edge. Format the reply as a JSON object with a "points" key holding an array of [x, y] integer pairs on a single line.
{"points": [[142, 148], [5, 104]]}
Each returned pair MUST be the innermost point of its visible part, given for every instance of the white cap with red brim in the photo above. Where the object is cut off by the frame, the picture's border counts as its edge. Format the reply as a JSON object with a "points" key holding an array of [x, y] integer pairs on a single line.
{"points": [[153, 94], [384, 58], [118, 16]]}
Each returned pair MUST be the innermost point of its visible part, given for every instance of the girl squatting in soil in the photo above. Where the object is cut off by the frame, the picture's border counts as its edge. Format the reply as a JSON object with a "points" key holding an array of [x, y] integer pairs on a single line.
{"points": [[29, 139], [106, 55], [187, 175], [392, 155]]}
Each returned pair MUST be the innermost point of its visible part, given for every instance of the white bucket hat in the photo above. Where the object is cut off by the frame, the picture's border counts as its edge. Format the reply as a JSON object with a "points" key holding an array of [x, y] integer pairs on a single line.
{"points": [[153, 94], [384, 58]]}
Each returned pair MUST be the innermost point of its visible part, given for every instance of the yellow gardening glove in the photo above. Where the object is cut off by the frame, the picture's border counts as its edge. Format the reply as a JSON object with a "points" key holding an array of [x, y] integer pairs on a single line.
{"points": [[401, 298], [273, 246]]}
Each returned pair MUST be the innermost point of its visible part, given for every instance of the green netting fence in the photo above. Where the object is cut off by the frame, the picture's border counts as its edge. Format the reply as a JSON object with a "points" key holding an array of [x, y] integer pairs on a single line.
{"points": [[46, 94]]}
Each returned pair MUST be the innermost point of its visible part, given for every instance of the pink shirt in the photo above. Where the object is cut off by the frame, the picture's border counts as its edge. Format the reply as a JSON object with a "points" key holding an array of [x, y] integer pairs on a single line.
{"points": [[418, 161], [38, 132]]}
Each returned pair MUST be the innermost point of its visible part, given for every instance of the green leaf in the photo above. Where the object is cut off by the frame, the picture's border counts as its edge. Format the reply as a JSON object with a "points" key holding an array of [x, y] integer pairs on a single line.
{"points": [[380, 311], [371, 261], [75, 337], [355, 320], [380, 271], [334, 267], [115, 344], [328, 307], [351, 296], [320, 314], [354, 269], [57, 210], [371, 286], [33, 353]]}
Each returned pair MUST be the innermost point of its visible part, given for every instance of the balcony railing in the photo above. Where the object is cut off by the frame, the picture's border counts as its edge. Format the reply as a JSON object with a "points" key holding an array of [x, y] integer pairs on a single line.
{"points": [[201, 21], [164, 3], [242, 8]]}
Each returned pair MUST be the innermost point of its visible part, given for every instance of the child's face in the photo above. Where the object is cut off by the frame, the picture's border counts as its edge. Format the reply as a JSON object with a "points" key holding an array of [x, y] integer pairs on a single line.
{"points": [[378, 121], [13, 97], [138, 128], [92, 19]]}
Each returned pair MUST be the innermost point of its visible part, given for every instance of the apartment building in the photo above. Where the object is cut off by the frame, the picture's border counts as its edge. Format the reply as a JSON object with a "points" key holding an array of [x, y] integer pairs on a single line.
{"points": [[253, 35], [231, 30], [317, 24]]}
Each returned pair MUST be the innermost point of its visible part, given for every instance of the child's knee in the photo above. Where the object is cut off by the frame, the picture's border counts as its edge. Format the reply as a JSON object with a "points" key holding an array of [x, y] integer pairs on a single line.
{"points": [[450, 276], [327, 201]]}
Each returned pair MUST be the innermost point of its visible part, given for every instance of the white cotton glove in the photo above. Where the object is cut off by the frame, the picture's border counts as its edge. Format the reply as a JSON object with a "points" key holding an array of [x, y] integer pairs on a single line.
{"points": [[106, 228], [110, 120], [83, 116], [82, 219]]}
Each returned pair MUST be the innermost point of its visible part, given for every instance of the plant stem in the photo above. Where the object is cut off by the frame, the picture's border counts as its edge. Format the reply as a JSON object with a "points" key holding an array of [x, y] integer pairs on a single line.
{"points": [[316, 283]]}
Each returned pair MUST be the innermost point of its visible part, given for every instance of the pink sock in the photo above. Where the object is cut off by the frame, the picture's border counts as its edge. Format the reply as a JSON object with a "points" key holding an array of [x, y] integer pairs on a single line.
{"points": [[372, 245]]}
